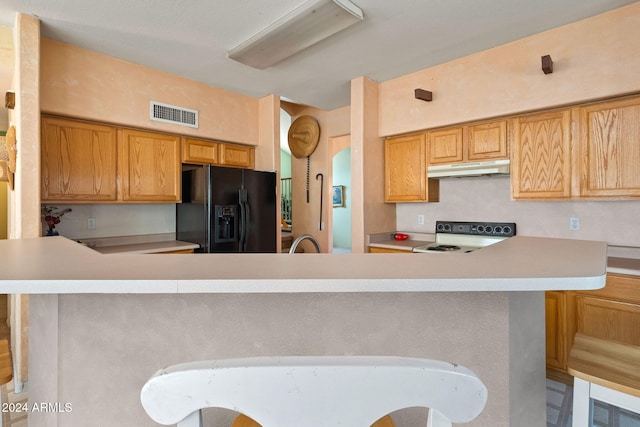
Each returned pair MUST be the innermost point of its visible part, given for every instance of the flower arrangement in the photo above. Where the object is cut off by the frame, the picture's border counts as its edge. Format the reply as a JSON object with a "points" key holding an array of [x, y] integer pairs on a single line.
{"points": [[51, 216]]}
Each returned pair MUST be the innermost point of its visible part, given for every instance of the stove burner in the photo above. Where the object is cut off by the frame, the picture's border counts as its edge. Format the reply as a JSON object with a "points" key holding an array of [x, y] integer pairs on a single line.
{"points": [[444, 248]]}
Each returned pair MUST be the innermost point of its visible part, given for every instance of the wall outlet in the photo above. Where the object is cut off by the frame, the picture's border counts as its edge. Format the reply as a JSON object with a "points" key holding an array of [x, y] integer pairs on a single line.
{"points": [[574, 223], [420, 219], [91, 223]]}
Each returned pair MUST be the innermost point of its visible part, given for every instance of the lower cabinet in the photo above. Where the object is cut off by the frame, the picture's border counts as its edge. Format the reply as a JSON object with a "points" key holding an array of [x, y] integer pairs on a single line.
{"points": [[556, 329], [611, 313], [376, 250]]}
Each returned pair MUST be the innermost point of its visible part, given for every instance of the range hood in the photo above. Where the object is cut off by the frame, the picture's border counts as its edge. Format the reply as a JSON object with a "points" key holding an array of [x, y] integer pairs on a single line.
{"points": [[489, 167]]}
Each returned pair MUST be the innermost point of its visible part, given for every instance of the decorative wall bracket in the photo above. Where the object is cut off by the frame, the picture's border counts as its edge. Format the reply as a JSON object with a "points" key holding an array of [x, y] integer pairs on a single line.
{"points": [[424, 95], [10, 100], [8, 157], [547, 64]]}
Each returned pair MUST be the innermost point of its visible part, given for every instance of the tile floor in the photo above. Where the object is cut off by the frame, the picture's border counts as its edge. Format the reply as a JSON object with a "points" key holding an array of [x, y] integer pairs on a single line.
{"points": [[559, 403]]}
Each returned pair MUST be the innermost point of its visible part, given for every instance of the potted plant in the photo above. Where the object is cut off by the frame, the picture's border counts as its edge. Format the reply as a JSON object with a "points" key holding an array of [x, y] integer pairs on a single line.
{"points": [[51, 217]]}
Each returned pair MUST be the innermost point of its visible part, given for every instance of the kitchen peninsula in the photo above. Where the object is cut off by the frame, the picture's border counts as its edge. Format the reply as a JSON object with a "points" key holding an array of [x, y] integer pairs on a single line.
{"points": [[100, 325]]}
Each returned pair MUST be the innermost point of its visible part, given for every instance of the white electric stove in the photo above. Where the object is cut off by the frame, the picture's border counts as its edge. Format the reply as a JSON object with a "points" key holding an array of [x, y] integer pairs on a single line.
{"points": [[462, 237]]}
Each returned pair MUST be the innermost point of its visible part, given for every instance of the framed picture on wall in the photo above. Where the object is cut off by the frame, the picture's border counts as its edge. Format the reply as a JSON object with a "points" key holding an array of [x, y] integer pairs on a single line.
{"points": [[338, 196]]}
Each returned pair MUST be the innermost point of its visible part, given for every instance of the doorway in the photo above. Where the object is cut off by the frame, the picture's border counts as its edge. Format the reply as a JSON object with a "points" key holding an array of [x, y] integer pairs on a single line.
{"points": [[341, 194]]}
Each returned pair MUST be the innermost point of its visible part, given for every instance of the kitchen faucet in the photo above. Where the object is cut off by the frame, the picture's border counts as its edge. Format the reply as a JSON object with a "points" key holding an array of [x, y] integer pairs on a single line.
{"points": [[296, 242]]}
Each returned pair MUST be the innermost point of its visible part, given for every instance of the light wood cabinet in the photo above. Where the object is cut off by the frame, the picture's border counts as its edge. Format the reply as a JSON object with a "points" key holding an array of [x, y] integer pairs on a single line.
{"points": [[240, 156], [541, 156], [556, 329], [217, 153], [199, 152], [149, 166], [609, 149], [611, 313], [405, 170], [445, 146], [84, 162], [78, 161], [470, 143], [376, 250], [487, 141]]}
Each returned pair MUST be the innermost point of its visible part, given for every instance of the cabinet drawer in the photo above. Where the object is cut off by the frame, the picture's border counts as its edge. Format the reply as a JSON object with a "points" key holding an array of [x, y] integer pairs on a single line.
{"points": [[606, 319], [619, 287]]}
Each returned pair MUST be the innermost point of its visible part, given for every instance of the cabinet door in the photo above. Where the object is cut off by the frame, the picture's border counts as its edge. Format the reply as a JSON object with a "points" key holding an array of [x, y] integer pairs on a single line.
{"points": [[556, 329], [240, 156], [78, 161], [199, 152], [150, 168], [610, 149], [487, 141], [612, 312], [541, 156], [405, 170], [445, 146], [608, 319]]}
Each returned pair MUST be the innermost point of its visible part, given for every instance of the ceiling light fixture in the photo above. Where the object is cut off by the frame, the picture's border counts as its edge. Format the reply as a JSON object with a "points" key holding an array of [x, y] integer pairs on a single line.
{"points": [[304, 26]]}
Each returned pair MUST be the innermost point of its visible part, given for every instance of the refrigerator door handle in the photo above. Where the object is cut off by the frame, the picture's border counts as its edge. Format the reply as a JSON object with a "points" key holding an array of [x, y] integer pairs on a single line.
{"points": [[244, 218]]}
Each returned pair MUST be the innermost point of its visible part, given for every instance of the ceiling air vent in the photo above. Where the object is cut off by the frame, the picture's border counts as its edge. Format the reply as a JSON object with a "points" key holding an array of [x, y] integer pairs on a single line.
{"points": [[171, 114]]}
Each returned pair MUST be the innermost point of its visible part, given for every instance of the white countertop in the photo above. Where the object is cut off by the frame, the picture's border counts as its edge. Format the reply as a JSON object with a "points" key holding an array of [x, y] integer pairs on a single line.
{"points": [[147, 248], [60, 265]]}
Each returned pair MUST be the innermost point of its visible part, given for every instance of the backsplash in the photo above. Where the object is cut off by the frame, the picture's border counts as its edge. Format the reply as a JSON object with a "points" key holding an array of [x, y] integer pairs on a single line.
{"points": [[489, 199], [117, 220]]}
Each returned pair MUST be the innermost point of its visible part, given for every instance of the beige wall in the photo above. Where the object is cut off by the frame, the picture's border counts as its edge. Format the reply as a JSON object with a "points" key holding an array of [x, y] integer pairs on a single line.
{"points": [[7, 65], [24, 202], [81, 83], [593, 58], [370, 214], [306, 216]]}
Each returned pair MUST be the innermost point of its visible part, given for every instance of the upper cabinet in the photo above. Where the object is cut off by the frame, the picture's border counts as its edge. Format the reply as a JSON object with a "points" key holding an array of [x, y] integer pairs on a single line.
{"points": [[445, 146], [89, 162], [587, 152], [541, 156], [78, 161], [609, 149], [199, 152], [217, 153], [149, 166], [239, 156], [471, 143], [487, 141], [405, 170]]}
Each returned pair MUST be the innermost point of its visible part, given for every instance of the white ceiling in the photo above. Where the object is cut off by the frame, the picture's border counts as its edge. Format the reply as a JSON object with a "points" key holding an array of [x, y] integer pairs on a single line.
{"points": [[397, 37]]}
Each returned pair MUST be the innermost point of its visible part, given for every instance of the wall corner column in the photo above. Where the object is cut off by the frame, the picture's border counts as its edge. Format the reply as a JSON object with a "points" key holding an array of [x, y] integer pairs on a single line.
{"points": [[24, 201], [268, 149], [370, 214]]}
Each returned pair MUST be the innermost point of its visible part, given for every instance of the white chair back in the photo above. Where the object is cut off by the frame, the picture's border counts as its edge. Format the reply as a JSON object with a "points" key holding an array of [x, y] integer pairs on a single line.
{"points": [[309, 391]]}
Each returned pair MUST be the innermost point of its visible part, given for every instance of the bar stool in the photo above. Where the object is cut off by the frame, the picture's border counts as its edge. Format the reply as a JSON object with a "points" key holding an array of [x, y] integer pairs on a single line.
{"points": [[323, 391], [244, 421]]}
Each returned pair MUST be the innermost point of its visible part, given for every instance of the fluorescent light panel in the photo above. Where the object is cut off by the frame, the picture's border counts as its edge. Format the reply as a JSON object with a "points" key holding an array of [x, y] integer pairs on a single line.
{"points": [[306, 25]]}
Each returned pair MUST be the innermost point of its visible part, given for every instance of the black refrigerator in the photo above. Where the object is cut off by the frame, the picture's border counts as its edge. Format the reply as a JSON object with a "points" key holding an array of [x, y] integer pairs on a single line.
{"points": [[227, 209]]}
